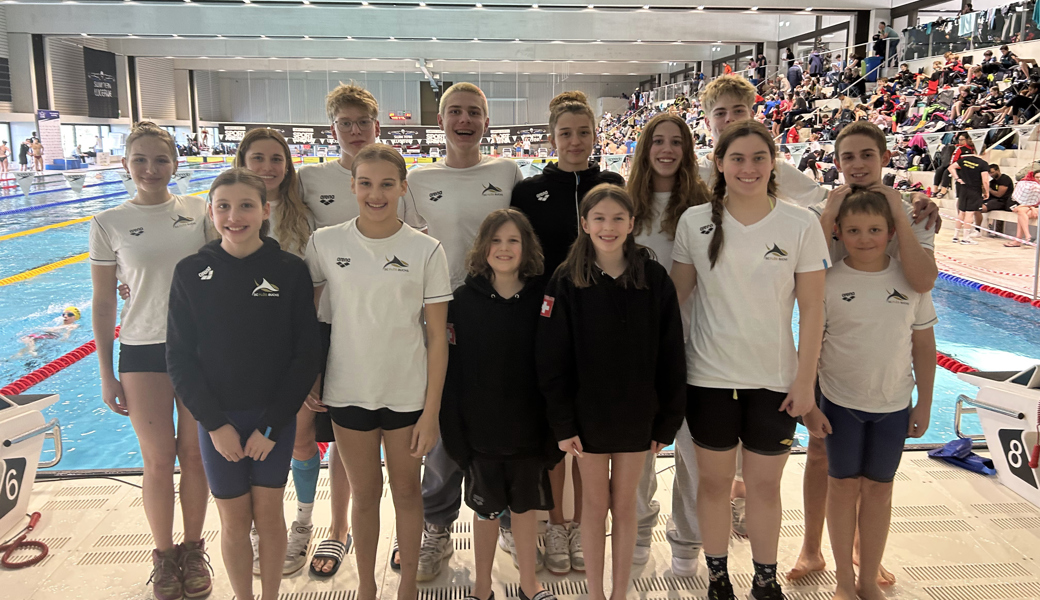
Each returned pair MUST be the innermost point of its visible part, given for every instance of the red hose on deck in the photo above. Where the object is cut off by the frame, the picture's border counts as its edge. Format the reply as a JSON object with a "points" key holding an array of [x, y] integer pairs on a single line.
{"points": [[23, 383]]}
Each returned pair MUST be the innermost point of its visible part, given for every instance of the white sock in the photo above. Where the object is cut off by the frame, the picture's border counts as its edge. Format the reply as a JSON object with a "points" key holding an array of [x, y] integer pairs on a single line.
{"points": [[303, 512]]}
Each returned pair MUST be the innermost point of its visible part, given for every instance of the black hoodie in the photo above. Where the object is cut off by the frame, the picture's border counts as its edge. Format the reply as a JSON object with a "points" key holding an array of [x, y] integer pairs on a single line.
{"points": [[611, 361], [492, 407], [242, 334], [550, 200]]}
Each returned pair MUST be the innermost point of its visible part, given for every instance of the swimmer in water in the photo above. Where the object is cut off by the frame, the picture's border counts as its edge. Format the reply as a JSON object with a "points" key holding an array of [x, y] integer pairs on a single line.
{"points": [[69, 318]]}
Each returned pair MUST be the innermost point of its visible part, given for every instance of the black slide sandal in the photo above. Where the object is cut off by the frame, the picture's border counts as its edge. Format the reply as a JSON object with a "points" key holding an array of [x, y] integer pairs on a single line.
{"points": [[395, 557], [330, 550]]}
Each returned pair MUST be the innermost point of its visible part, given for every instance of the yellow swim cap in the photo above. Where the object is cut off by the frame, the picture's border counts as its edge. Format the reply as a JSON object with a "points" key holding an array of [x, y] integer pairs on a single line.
{"points": [[73, 310]]}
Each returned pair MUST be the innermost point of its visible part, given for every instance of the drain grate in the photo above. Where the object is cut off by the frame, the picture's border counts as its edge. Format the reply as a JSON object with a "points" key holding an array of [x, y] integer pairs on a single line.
{"points": [[89, 490], [816, 578], [55, 543], [145, 539], [462, 527], [566, 587], [337, 595], [1004, 508], [664, 584], [463, 543], [1023, 523], [86, 504], [972, 571], [991, 591], [809, 595], [659, 536], [955, 474], [927, 510], [290, 496], [930, 526], [796, 530], [138, 502], [123, 557], [448, 592], [793, 515]]}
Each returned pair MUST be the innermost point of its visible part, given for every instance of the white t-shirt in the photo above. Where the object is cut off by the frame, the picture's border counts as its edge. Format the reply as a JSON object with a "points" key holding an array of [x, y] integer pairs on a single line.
{"points": [[145, 243], [656, 240], [376, 290], [326, 191], [742, 337], [452, 203], [925, 235], [791, 184], [866, 361]]}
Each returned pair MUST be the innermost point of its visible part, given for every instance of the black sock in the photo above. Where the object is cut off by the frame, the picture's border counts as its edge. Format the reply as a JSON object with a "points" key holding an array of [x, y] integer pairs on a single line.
{"points": [[718, 569], [765, 575]]}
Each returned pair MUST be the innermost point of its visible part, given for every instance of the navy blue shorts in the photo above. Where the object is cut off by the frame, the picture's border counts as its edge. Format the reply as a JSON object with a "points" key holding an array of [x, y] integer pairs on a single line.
{"points": [[228, 479], [864, 444]]}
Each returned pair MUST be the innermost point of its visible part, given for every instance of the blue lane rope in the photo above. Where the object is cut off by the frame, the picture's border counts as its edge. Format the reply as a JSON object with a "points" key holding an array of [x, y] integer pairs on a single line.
{"points": [[960, 280], [26, 209]]}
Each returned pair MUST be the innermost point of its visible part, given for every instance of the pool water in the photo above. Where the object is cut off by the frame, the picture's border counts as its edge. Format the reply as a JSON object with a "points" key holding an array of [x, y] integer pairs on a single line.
{"points": [[980, 329]]}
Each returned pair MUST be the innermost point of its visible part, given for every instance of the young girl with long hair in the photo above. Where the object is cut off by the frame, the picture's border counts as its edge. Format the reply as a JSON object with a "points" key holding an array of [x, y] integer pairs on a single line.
{"points": [[139, 243], [663, 184], [551, 200], [383, 383], [612, 392], [243, 351], [493, 419], [749, 257]]}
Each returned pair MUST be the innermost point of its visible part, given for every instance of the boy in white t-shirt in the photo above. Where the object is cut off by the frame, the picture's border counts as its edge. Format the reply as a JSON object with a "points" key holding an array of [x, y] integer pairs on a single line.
{"points": [[876, 328], [451, 199]]}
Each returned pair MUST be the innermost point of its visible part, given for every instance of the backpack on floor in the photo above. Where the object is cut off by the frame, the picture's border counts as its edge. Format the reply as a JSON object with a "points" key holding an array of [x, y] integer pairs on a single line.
{"points": [[889, 180]]}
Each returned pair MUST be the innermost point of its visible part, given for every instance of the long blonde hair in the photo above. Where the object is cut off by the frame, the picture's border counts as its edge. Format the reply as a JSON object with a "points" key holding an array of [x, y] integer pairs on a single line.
{"points": [[689, 189], [293, 228], [580, 265]]}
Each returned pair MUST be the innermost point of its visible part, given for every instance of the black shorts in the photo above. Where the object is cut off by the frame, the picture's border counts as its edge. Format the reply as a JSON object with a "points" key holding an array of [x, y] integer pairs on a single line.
{"points": [[718, 421], [969, 200], [998, 203], [149, 358], [322, 420], [520, 485], [363, 419]]}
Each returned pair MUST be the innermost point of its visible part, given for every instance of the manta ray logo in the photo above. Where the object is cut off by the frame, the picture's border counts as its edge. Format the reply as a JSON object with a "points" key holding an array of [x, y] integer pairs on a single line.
{"points": [[327, 199], [435, 196], [776, 253], [182, 220], [395, 264], [897, 297], [706, 229], [207, 274], [137, 231], [265, 289], [542, 196], [492, 190]]}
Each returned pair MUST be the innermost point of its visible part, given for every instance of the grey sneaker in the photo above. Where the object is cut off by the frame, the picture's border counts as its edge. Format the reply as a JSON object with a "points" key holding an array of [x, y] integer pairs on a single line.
{"points": [[557, 549], [296, 548], [505, 542], [436, 546], [739, 518], [574, 545], [254, 540]]}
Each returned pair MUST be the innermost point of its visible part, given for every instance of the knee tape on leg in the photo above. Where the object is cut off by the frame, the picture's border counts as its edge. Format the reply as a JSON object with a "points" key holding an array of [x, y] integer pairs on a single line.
{"points": [[305, 478]]}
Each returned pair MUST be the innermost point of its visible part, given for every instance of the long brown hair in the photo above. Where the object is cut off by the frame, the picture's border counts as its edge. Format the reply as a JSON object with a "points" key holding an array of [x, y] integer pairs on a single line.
{"points": [[245, 176], [732, 133], [532, 262], [294, 228], [689, 189], [580, 265]]}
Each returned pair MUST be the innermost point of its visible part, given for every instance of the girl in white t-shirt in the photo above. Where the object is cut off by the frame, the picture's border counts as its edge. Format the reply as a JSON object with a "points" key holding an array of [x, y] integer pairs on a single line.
{"points": [[382, 383], [664, 182], [139, 243], [749, 258]]}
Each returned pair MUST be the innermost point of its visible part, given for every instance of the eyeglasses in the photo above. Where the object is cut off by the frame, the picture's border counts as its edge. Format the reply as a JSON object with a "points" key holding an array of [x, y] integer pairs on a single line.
{"points": [[362, 124]]}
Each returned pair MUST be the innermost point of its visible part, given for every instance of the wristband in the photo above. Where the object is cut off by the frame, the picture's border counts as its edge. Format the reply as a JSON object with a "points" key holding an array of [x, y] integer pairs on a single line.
{"points": [[267, 434]]}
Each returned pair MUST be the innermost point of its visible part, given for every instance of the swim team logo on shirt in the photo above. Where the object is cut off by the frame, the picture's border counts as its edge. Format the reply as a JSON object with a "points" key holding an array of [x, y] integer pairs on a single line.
{"points": [[182, 220], [542, 196], [395, 264], [492, 190], [206, 274], [435, 196], [547, 304], [897, 297], [343, 262], [265, 289], [327, 199], [706, 229], [848, 296], [137, 231], [776, 253]]}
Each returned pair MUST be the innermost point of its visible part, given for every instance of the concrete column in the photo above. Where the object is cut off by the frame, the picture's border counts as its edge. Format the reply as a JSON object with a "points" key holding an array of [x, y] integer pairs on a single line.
{"points": [[23, 75], [123, 79]]}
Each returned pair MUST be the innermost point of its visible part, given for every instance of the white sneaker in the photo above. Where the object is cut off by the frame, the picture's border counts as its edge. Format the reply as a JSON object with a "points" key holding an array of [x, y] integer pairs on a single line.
{"points": [[574, 545], [684, 567], [436, 546], [254, 540], [296, 548], [956, 240], [506, 542], [974, 233], [641, 556], [557, 549], [969, 241]]}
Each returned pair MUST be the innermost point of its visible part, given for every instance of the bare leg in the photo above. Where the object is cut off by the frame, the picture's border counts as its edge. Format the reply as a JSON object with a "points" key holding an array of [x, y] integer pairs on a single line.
{"points": [[340, 526], [625, 470], [359, 451], [525, 535], [194, 489], [576, 484], [557, 479], [269, 519], [405, 485], [875, 513], [485, 538], [715, 470], [841, 523], [594, 530], [814, 499], [762, 476], [236, 518]]}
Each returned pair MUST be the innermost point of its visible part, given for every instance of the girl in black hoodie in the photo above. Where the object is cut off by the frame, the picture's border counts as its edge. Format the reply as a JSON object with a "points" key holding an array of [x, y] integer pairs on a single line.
{"points": [[493, 416], [612, 367], [242, 351], [550, 200]]}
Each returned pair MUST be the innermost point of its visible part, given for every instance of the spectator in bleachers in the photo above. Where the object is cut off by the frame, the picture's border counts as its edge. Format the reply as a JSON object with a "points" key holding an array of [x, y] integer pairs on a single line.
{"points": [[795, 74]]}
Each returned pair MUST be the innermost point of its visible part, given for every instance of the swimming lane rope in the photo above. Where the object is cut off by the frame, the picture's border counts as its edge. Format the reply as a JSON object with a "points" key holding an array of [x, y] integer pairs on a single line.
{"points": [[23, 383]]}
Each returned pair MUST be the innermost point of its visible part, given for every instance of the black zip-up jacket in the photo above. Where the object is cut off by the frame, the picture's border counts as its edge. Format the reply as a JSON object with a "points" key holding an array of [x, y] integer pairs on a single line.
{"points": [[492, 407], [611, 361], [550, 200], [242, 334]]}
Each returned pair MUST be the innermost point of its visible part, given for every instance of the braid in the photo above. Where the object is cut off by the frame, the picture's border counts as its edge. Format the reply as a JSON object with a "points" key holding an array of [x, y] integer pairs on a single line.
{"points": [[717, 206]]}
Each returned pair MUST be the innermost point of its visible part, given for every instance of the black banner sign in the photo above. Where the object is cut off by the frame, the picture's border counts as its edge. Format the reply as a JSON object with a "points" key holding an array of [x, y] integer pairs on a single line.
{"points": [[102, 88]]}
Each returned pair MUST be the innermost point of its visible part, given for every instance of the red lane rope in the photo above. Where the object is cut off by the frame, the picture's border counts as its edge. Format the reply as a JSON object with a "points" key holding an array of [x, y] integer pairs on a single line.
{"points": [[952, 364], [23, 383]]}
